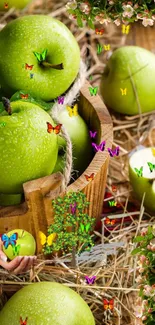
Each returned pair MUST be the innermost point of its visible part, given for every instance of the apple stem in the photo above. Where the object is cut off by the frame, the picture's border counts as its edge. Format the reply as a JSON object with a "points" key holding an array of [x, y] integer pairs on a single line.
{"points": [[6, 104], [22, 233], [53, 66]]}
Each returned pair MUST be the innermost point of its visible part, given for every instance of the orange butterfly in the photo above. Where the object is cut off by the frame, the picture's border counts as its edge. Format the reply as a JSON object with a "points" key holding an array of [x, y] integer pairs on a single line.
{"points": [[29, 67], [114, 188], [108, 304], [89, 178], [51, 128], [23, 322], [110, 221], [24, 96], [99, 31], [6, 6]]}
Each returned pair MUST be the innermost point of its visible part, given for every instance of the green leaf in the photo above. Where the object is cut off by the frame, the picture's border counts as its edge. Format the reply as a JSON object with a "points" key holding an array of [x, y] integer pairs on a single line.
{"points": [[38, 56], [135, 251], [31, 99], [138, 239]]}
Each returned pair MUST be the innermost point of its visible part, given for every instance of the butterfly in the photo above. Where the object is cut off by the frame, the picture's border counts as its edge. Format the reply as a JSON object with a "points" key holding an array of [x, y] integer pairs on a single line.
{"points": [[9, 240], [93, 134], [46, 240], [112, 203], [99, 31], [108, 304], [72, 111], [24, 96], [61, 99], [125, 29], [89, 178], [107, 47], [73, 207], [114, 152], [29, 67], [93, 91], [99, 48], [6, 6], [23, 322], [153, 151], [31, 75], [110, 221], [84, 227], [123, 91], [99, 147], [139, 171], [56, 129], [2, 124], [151, 166], [16, 250], [90, 280], [41, 56]]}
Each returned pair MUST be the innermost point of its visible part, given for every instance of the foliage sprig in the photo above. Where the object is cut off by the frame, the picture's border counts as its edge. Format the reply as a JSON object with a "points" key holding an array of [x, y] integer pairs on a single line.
{"points": [[146, 278], [106, 11]]}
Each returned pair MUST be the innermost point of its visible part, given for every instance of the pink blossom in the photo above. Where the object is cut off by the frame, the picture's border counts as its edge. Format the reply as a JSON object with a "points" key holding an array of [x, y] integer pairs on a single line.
{"points": [[144, 230], [142, 258], [138, 312], [71, 16], [139, 279], [144, 318], [102, 20], [136, 6], [111, 2], [150, 310], [117, 22], [147, 22], [141, 270], [85, 7], [128, 11], [149, 291]]}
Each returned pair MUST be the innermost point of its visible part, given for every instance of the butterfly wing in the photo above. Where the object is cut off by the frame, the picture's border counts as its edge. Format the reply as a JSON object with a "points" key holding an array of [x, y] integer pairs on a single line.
{"points": [[102, 146], [153, 151], [91, 90], [37, 55], [50, 239], [110, 152], [13, 239], [70, 111], [150, 166], [82, 227], [43, 55], [111, 304], [87, 279], [42, 237], [5, 240], [57, 129], [117, 151], [87, 177], [87, 227], [49, 127], [95, 90], [93, 279], [95, 146], [105, 304]]}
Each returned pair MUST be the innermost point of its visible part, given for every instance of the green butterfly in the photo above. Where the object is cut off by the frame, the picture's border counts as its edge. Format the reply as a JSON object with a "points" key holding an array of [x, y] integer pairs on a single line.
{"points": [[16, 250], [139, 171], [84, 227], [93, 91], [41, 56], [99, 48], [112, 203], [151, 166]]}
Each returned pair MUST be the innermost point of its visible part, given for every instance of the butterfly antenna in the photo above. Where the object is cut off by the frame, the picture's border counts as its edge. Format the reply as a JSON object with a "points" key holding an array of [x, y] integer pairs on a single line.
{"points": [[7, 106]]}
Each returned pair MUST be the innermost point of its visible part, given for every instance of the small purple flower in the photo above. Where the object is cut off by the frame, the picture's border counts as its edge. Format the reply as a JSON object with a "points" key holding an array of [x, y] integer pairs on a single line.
{"points": [[73, 208]]}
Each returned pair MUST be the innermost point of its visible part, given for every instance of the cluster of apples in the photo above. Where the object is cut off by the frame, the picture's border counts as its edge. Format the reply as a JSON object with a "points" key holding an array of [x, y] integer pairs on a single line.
{"points": [[39, 61]]}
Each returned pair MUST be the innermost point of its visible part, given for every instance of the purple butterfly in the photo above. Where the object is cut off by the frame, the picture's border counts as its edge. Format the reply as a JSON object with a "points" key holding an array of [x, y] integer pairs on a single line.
{"points": [[114, 152], [61, 99], [90, 280], [99, 147], [73, 208], [93, 134]]}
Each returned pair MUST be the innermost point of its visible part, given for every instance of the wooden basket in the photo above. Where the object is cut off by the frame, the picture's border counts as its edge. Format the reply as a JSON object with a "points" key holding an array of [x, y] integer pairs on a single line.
{"points": [[36, 212]]}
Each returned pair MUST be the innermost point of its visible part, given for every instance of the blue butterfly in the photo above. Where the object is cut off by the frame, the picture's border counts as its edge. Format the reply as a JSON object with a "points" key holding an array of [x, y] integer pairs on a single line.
{"points": [[9, 240], [31, 75]]}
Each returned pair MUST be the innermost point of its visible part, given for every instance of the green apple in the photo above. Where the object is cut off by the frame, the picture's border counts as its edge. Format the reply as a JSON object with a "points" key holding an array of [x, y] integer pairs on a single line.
{"points": [[145, 182], [48, 47], [28, 151], [81, 142], [46, 303], [116, 76], [25, 244], [18, 4]]}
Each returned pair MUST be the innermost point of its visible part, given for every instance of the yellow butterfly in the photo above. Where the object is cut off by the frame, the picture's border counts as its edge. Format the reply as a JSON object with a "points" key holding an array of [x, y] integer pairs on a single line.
{"points": [[123, 91], [107, 47], [73, 111], [125, 29], [46, 240], [153, 151]]}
